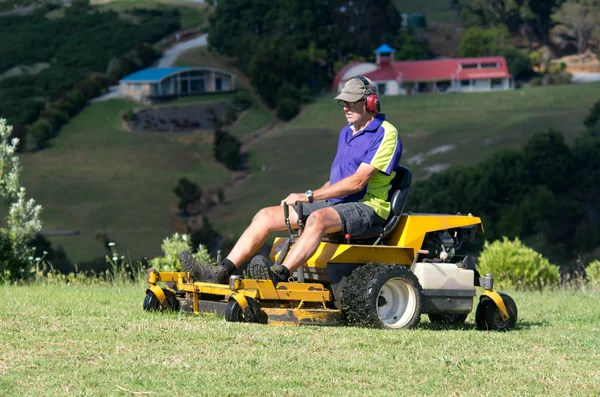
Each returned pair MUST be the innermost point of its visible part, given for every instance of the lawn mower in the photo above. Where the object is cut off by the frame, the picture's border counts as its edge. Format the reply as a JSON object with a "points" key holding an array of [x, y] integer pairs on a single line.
{"points": [[385, 278]]}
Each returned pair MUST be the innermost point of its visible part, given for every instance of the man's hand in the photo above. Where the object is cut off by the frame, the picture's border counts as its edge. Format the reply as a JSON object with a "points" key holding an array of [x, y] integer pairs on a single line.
{"points": [[295, 197]]}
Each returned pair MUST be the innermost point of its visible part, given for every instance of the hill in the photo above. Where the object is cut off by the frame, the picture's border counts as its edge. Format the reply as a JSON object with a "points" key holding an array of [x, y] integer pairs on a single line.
{"points": [[99, 178]]}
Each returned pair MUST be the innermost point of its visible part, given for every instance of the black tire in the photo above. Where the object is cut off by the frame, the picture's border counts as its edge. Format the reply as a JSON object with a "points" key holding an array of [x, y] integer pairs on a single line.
{"points": [[151, 302], [487, 316], [447, 319], [235, 314], [382, 296]]}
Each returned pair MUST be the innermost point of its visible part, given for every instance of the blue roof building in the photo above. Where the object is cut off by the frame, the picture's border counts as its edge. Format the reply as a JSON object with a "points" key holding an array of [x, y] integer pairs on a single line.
{"points": [[156, 83]]}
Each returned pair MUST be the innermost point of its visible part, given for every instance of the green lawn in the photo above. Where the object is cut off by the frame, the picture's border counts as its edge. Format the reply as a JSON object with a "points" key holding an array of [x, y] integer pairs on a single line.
{"points": [[96, 340]]}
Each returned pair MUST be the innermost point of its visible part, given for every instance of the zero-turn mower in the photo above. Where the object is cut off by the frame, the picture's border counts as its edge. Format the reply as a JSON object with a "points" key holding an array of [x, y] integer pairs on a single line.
{"points": [[384, 278]]}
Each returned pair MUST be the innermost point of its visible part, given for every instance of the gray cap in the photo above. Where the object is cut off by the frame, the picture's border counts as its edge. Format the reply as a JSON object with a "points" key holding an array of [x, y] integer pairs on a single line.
{"points": [[354, 90]]}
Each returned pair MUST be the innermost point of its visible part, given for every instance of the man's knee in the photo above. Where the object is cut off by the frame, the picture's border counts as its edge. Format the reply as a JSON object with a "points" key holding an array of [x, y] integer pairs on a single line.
{"points": [[269, 218]]}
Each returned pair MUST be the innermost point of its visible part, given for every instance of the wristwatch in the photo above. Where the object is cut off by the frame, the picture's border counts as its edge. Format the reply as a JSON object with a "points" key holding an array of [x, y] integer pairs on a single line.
{"points": [[309, 195]]}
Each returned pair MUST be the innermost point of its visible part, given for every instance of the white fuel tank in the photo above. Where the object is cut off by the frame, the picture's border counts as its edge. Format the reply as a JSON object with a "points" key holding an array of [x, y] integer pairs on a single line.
{"points": [[444, 276]]}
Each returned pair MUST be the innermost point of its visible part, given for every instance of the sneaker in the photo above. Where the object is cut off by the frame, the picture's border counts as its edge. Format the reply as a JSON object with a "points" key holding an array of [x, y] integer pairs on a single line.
{"points": [[197, 271], [261, 268]]}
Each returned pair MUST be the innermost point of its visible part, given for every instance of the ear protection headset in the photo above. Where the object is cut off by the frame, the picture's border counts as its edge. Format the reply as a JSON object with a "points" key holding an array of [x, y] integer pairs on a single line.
{"points": [[371, 100]]}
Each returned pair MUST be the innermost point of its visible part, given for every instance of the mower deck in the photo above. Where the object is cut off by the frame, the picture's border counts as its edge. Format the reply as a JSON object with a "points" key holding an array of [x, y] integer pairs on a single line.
{"points": [[288, 304]]}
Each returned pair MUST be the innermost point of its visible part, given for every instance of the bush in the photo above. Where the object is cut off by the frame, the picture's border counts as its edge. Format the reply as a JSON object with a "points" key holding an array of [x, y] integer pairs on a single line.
{"points": [[171, 248], [287, 109], [243, 100], [516, 265], [592, 272], [306, 94]]}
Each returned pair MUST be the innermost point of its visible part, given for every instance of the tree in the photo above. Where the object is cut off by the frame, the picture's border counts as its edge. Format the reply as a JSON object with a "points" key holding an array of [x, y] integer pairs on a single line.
{"points": [[23, 215], [577, 20], [518, 15], [188, 193]]}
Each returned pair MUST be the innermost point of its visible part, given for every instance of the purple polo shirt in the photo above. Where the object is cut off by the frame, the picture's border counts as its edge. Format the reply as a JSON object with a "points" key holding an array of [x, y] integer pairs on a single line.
{"points": [[379, 145]]}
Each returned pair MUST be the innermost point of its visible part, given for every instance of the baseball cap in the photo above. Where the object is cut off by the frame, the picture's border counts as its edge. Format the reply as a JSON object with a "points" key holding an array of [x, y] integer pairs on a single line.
{"points": [[354, 90]]}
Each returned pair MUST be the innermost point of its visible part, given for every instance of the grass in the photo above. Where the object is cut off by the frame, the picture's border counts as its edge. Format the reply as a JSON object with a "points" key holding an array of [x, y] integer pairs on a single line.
{"points": [[96, 340]]}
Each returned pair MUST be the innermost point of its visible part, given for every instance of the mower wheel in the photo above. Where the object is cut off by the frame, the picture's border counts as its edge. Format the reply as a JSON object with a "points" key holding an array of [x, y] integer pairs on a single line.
{"points": [[447, 319], [151, 302], [488, 318], [382, 296], [235, 314]]}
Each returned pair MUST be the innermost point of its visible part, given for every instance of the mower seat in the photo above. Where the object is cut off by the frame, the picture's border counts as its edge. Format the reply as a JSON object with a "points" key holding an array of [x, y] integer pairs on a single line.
{"points": [[376, 234]]}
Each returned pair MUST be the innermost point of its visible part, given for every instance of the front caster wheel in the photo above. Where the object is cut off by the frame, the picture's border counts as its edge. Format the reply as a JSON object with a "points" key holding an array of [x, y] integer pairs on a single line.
{"points": [[151, 302], [488, 318], [235, 314]]}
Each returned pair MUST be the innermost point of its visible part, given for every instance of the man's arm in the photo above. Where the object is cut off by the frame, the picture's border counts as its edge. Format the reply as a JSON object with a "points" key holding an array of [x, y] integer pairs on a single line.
{"points": [[352, 184]]}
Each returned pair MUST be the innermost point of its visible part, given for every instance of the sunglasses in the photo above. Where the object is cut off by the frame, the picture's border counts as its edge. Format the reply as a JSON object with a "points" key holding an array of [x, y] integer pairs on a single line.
{"points": [[350, 105]]}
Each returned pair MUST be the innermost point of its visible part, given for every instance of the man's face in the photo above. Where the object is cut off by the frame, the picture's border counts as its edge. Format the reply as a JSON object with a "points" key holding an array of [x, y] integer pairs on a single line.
{"points": [[354, 111]]}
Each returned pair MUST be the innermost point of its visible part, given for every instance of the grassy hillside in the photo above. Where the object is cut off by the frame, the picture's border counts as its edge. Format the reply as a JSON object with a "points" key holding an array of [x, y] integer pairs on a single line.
{"points": [[82, 340], [99, 178], [437, 130]]}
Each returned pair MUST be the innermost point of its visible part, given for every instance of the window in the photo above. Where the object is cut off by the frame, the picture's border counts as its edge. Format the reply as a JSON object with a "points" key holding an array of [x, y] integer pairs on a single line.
{"points": [[497, 83], [489, 65], [138, 87], [465, 83], [469, 66], [381, 88]]}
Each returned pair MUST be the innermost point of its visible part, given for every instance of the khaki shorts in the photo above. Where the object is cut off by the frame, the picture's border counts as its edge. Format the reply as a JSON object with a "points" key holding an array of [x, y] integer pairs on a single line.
{"points": [[356, 217]]}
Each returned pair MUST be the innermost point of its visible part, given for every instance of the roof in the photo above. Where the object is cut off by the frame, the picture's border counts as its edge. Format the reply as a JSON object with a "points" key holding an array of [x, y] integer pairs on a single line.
{"points": [[384, 48], [155, 75], [151, 74], [440, 69]]}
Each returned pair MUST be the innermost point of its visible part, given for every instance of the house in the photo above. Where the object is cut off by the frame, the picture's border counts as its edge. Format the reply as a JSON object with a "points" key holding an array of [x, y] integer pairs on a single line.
{"points": [[158, 83], [436, 75]]}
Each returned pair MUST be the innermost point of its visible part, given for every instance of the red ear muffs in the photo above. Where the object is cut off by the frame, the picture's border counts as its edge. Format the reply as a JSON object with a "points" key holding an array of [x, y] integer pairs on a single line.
{"points": [[372, 103], [371, 100]]}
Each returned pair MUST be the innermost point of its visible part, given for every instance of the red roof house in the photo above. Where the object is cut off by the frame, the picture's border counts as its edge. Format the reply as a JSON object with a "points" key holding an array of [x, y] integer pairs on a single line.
{"points": [[438, 75]]}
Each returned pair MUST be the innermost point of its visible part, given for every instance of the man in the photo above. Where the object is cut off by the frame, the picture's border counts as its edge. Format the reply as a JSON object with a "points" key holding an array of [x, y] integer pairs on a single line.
{"points": [[354, 199]]}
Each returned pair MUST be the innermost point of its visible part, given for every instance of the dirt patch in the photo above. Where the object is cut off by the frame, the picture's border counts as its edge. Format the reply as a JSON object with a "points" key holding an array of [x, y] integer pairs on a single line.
{"points": [[183, 118]]}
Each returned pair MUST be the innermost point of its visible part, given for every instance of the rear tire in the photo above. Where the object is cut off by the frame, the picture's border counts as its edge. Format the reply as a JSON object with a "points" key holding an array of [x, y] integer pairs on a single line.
{"points": [[487, 316], [382, 296], [447, 319]]}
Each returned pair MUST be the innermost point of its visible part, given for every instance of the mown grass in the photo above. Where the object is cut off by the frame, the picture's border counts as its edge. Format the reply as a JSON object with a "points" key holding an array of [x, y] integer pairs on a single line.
{"points": [[96, 340]]}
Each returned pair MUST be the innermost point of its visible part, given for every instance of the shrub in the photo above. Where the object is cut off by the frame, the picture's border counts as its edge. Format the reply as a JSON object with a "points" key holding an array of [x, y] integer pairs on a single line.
{"points": [[242, 99], [592, 272], [306, 94], [516, 265], [171, 248], [287, 109]]}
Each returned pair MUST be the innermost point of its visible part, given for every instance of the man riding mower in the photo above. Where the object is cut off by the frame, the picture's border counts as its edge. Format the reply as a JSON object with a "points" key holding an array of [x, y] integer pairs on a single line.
{"points": [[356, 258]]}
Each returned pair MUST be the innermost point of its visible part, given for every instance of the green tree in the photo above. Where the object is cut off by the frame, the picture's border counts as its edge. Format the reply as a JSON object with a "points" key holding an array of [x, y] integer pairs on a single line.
{"points": [[23, 215], [577, 21], [188, 193]]}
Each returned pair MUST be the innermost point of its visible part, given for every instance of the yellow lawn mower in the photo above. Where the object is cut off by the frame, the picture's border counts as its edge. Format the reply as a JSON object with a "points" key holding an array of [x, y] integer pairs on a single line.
{"points": [[384, 278]]}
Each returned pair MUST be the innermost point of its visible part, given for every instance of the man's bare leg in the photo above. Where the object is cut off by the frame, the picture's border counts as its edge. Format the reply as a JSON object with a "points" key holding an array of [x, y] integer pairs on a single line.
{"points": [[319, 223], [267, 220]]}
